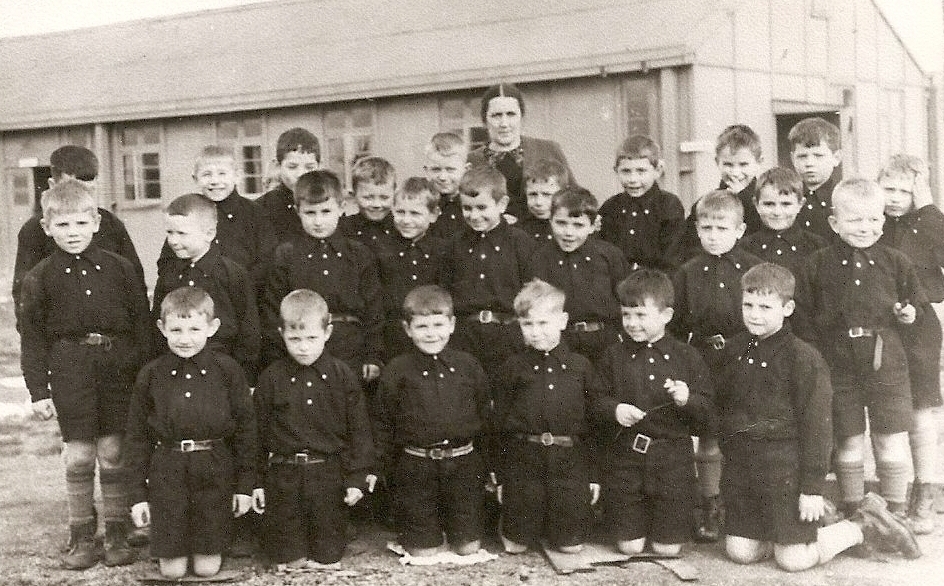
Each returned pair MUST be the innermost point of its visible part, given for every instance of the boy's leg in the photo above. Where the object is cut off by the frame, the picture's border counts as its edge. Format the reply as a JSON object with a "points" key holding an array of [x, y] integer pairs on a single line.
{"points": [[173, 568], [524, 495], [744, 550], [112, 478], [568, 510], [416, 495], [205, 565], [463, 500], [623, 501], [923, 440], [80, 490], [325, 511], [708, 467], [284, 535], [850, 472], [891, 466]]}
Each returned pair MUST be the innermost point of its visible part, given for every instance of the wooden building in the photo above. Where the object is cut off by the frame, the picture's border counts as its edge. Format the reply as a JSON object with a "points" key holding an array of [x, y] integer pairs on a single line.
{"points": [[380, 77]]}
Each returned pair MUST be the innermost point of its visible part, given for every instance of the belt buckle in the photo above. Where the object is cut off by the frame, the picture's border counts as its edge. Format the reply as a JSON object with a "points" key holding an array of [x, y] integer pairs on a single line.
{"points": [[547, 439], [300, 458], [95, 339], [856, 332], [436, 453], [580, 326], [641, 443], [717, 342], [486, 316], [188, 445]]}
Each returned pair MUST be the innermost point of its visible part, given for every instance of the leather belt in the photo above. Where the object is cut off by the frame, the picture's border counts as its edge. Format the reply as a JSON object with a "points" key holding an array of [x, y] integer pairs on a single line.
{"points": [[587, 326], [548, 439], [296, 459], [189, 445], [344, 318], [439, 453], [487, 316], [860, 332], [95, 339]]}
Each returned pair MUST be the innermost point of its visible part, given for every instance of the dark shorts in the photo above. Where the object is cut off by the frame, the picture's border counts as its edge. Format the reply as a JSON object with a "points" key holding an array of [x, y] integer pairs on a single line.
{"points": [[649, 495], [491, 344], [922, 342], [886, 392], [546, 493], [435, 496], [91, 387], [761, 491], [305, 512], [191, 500]]}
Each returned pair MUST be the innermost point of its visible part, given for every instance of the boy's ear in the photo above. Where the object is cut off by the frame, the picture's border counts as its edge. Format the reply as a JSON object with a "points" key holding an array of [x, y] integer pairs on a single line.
{"points": [[660, 168], [837, 157], [564, 318], [406, 326], [832, 223], [160, 326], [214, 326], [503, 203], [742, 227], [98, 220], [45, 224], [452, 324], [329, 329], [788, 308], [668, 313], [52, 182]]}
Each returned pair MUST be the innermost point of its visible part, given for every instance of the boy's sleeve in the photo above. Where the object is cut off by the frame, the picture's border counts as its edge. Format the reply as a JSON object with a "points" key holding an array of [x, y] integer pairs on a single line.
{"points": [[244, 438], [277, 286], [357, 455], [503, 387], [525, 247], [386, 406], [373, 311], [701, 410], [262, 404], [670, 224], [266, 243], [30, 249], [141, 314], [603, 402], [679, 326], [249, 328], [814, 407], [33, 345], [483, 400], [137, 444], [159, 343], [802, 321]]}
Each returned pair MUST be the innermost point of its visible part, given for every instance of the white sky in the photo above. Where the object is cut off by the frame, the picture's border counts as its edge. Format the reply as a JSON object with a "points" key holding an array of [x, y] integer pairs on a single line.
{"points": [[919, 22]]}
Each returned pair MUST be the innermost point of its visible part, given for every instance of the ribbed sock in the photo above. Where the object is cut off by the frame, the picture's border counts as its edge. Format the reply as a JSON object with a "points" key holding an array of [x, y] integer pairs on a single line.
{"points": [[114, 494], [832, 539], [708, 467], [80, 493], [893, 482], [851, 477], [923, 440]]}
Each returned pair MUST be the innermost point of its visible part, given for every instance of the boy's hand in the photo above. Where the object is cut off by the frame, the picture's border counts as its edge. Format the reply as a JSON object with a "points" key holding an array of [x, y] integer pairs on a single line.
{"points": [[678, 390], [628, 415], [352, 495], [241, 504], [258, 500], [371, 480], [370, 372], [594, 493], [812, 507], [44, 409], [141, 514], [906, 313]]}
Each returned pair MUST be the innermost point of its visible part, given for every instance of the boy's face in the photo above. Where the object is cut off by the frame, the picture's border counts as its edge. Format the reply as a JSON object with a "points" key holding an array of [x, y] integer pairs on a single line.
{"points": [[187, 336], [570, 232], [539, 195], [216, 178], [646, 323], [72, 231], [445, 172], [859, 223], [737, 168], [482, 212], [295, 164], [411, 217], [320, 219], [542, 326], [374, 199], [764, 313], [814, 163], [636, 176], [430, 333], [777, 210], [189, 236], [305, 341], [899, 194], [719, 233]]}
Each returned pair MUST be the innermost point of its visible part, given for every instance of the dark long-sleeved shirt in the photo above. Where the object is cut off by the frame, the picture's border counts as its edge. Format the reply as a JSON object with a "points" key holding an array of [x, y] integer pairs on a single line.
{"points": [[278, 205], [33, 245], [485, 270], [343, 271], [318, 408], [198, 398], [779, 389], [234, 302], [450, 221], [635, 373], [643, 227], [424, 399], [588, 276], [814, 215], [409, 265], [920, 235], [71, 295], [788, 248], [379, 236], [708, 295]]}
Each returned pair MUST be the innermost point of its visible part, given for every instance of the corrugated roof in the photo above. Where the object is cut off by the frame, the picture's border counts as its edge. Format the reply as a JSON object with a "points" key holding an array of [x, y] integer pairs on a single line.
{"points": [[295, 52]]}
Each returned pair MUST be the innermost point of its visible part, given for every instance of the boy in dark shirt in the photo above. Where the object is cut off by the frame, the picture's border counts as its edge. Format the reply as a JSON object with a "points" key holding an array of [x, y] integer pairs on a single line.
{"points": [[191, 441], [416, 260], [643, 220], [485, 267], [653, 393], [296, 152], [374, 182], [542, 408], [341, 270], [915, 226], [433, 410], [191, 230], [816, 156], [781, 240], [315, 445], [707, 312], [33, 244], [541, 181], [855, 299], [586, 269], [445, 164], [777, 434], [242, 229], [84, 334]]}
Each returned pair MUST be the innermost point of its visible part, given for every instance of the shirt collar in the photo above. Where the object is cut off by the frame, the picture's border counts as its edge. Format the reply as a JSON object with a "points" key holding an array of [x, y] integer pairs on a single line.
{"points": [[201, 361]]}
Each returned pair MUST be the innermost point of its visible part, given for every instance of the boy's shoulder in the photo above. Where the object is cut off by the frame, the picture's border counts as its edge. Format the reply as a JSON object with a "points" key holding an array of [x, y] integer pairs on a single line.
{"points": [[276, 196]]}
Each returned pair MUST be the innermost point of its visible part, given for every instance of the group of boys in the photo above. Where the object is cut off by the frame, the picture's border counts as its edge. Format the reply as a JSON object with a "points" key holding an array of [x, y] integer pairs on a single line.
{"points": [[431, 342]]}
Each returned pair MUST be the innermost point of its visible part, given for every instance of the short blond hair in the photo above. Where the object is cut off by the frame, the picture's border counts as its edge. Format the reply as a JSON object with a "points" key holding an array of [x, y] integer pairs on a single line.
{"points": [[68, 196], [301, 305]]}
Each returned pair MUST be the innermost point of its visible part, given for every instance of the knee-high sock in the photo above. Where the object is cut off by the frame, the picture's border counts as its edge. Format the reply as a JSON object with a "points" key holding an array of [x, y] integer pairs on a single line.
{"points": [[709, 473], [923, 440], [893, 481], [851, 477], [80, 492], [114, 494]]}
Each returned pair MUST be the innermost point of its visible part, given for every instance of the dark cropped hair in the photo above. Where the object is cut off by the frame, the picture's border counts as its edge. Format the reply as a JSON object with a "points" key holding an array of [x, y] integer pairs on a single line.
{"points": [[427, 300], [737, 137], [577, 201], [507, 90], [193, 204], [482, 177], [785, 181], [318, 187], [810, 132], [373, 171], [417, 189], [643, 284], [639, 146], [297, 140], [547, 169], [717, 202], [77, 161], [768, 277]]}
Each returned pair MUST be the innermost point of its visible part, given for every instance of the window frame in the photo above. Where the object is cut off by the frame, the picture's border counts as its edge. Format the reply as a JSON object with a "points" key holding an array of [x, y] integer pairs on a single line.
{"points": [[136, 152], [241, 141]]}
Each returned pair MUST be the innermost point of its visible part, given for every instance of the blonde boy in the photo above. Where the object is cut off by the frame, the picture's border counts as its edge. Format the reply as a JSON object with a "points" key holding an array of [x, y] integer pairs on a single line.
{"points": [[444, 166]]}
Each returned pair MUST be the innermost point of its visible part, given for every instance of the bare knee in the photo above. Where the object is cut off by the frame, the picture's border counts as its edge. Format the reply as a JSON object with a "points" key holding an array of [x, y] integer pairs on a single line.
{"points": [[743, 550], [851, 449], [79, 455], [108, 450], [206, 565], [891, 447], [796, 558]]}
